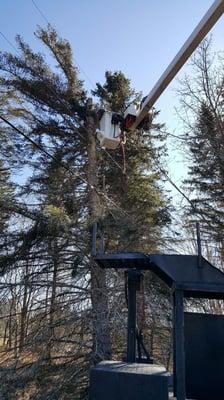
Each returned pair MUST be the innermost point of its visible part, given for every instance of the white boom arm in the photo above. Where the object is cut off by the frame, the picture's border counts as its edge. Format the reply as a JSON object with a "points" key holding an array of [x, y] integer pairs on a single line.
{"points": [[204, 26]]}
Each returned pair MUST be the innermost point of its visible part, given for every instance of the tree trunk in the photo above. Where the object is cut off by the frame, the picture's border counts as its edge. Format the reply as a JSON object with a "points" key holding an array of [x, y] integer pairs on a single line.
{"points": [[51, 330], [99, 299], [5, 343], [10, 323], [23, 320]]}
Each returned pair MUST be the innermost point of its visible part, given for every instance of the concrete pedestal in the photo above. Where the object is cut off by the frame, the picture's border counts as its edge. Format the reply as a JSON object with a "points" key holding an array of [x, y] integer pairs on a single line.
{"points": [[114, 380]]}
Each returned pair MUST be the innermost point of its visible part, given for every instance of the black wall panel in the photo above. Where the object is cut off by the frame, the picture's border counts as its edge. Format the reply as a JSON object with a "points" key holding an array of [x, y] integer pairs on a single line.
{"points": [[204, 355]]}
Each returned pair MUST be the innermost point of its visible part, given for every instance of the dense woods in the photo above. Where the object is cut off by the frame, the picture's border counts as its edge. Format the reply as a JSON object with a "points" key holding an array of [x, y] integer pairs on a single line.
{"points": [[61, 313]]}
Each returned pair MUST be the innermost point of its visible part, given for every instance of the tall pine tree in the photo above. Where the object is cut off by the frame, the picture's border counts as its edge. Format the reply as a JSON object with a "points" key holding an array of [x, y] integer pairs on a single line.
{"points": [[202, 106]]}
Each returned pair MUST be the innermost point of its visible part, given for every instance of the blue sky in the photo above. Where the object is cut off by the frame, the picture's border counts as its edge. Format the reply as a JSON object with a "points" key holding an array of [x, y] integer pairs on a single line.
{"points": [[138, 37]]}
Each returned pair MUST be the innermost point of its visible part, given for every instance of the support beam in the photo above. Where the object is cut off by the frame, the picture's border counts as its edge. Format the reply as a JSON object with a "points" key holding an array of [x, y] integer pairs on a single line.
{"points": [[133, 287], [94, 235], [202, 29], [179, 353]]}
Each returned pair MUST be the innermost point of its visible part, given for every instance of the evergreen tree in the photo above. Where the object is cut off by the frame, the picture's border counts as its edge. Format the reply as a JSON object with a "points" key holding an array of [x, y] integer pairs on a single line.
{"points": [[202, 102], [53, 107], [138, 191], [207, 171], [6, 198]]}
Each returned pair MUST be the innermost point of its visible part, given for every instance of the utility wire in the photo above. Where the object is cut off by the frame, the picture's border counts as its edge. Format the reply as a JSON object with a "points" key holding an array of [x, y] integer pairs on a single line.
{"points": [[86, 182], [84, 73], [65, 166], [27, 138], [114, 161], [8, 41], [83, 127], [66, 106], [194, 208], [48, 22], [50, 88], [40, 12]]}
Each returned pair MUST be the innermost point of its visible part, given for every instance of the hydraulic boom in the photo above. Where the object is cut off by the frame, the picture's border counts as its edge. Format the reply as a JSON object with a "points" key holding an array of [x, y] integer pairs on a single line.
{"points": [[204, 26]]}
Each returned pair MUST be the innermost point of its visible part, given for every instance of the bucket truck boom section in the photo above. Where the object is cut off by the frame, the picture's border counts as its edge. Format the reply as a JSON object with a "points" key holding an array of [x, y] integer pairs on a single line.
{"points": [[199, 33]]}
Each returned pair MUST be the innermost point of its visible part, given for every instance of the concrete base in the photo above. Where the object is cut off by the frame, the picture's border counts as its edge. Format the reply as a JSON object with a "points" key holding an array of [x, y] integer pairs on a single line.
{"points": [[114, 380]]}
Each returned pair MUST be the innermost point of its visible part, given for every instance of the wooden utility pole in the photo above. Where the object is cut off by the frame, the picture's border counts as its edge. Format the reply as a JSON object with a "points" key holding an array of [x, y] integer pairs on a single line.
{"points": [[99, 299]]}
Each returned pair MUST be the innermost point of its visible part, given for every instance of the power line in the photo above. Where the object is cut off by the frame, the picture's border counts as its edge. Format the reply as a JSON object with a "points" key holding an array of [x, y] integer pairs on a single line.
{"points": [[84, 73], [65, 104], [43, 150], [194, 208], [48, 22], [41, 13], [8, 41], [27, 138], [63, 165], [83, 127], [164, 132], [50, 88], [114, 161]]}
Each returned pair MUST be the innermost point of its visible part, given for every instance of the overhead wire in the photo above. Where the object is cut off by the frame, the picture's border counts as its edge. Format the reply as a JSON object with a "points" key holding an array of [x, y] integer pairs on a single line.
{"points": [[194, 208], [49, 23], [75, 59], [8, 41], [92, 187], [83, 127], [63, 165], [41, 13], [49, 88], [64, 103], [54, 92], [84, 73], [114, 161], [109, 155], [41, 148], [173, 135]]}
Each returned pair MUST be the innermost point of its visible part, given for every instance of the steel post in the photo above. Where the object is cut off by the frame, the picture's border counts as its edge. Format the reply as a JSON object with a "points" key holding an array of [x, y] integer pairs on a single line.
{"points": [[133, 286]]}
